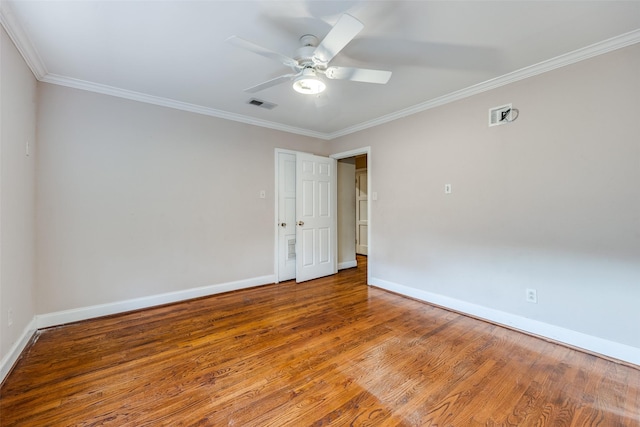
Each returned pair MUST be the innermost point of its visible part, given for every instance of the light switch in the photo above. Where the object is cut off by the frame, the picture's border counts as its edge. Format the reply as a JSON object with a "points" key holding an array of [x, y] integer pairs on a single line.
{"points": [[374, 195], [263, 194], [447, 189]]}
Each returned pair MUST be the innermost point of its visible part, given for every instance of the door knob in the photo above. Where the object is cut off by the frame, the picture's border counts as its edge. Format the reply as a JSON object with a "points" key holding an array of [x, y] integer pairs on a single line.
{"points": [[284, 224], [300, 223]]}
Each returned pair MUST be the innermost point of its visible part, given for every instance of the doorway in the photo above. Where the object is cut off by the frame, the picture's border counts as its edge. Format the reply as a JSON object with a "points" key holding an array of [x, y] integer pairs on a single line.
{"points": [[359, 160]]}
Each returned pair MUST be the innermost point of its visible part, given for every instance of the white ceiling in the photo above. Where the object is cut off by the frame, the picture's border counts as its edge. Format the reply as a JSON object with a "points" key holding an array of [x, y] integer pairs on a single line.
{"points": [[174, 53]]}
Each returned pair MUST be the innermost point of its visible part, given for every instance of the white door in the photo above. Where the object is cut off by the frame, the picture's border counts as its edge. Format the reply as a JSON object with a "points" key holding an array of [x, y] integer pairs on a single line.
{"points": [[316, 216], [286, 216], [362, 211]]}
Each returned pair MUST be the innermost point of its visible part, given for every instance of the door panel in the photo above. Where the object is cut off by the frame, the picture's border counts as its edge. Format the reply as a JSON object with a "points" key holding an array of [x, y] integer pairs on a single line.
{"points": [[308, 199], [324, 245], [323, 199], [316, 216]]}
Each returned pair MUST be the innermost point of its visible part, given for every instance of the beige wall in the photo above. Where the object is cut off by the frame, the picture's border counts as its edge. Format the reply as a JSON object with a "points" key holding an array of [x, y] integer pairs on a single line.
{"points": [[551, 201], [17, 195], [137, 200]]}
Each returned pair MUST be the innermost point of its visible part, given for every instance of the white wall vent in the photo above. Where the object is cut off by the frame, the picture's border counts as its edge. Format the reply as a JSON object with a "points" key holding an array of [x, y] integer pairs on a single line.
{"points": [[500, 115], [262, 104]]}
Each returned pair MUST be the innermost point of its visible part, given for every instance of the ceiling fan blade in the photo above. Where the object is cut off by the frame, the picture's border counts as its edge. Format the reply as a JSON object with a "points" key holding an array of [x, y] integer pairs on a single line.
{"points": [[339, 36], [263, 51], [400, 51], [358, 74], [271, 83]]}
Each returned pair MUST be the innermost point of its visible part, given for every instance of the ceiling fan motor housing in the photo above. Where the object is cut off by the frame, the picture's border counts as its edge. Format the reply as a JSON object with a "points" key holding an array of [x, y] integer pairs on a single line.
{"points": [[303, 56]]}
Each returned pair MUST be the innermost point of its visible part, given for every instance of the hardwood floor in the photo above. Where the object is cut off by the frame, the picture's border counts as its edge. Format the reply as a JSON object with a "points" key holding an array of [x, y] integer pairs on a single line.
{"points": [[332, 351]]}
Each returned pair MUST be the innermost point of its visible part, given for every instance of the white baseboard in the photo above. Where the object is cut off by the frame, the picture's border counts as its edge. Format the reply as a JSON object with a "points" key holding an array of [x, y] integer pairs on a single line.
{"points": [[573, 338], [84, 313], [14, 353], [347, 264]]}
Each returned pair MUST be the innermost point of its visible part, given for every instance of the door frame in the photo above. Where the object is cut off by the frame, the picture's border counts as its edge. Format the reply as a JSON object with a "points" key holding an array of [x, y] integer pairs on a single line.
{"points": [[353, 153]]}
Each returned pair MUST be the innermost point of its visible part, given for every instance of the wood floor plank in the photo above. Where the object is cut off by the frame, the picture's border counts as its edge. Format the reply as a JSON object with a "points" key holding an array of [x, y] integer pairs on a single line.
{"points": [[332, 351]]}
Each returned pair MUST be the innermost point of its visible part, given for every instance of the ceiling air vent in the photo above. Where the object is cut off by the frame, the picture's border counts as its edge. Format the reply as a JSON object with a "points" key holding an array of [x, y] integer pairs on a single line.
{"points": [[262, 104], [500, 115]]}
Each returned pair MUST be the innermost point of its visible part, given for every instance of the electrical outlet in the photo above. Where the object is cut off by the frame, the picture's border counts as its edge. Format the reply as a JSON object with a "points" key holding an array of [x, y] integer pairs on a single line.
{"points": [[10, 317], [532, 296]]}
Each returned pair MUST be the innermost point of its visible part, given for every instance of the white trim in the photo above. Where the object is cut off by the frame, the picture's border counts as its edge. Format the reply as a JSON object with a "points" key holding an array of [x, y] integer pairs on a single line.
{"points": [[21, 41], [573, 338], [578, 55], [347, 264], [178, 105], [16, 350], [34, 61], [74, 315], [84, 313], [351, 153]]}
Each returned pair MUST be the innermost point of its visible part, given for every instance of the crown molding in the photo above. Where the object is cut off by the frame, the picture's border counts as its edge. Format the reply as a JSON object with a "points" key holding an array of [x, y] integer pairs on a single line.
{"points": [[35, 63], [178, 105], [596, 49], [21, 40]]}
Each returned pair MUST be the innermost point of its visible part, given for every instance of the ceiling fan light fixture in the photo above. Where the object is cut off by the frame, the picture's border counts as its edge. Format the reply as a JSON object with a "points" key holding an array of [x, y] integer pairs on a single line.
{"points": [[308, 83]]}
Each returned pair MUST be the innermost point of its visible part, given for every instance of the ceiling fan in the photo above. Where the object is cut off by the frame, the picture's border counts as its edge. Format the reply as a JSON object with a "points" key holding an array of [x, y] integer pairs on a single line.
{"points": [[312, 59]]}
